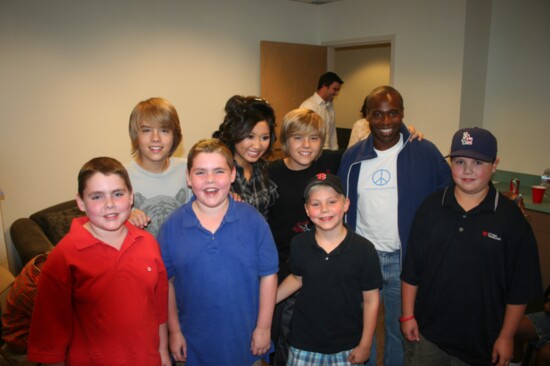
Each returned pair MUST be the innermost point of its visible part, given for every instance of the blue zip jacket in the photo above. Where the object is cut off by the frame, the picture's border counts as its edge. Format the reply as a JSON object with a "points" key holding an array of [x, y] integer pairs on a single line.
{"points": [[421, 170]]}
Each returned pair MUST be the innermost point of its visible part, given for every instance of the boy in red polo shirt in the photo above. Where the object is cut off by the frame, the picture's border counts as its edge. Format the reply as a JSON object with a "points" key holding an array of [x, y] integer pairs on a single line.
{"points": [[103, 292]]}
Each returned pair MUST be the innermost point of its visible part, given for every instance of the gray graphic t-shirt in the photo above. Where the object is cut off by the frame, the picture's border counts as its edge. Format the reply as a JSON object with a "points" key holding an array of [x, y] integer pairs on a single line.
{"points": [[158, 194]]}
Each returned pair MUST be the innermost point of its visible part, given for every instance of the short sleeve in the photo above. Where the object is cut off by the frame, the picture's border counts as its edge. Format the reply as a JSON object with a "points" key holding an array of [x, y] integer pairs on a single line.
{"points": [[267, 251], [371, 275]]}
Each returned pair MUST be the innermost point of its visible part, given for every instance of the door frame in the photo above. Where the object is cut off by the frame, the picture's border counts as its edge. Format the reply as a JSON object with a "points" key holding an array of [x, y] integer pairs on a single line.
{"points": [[367, 41]]}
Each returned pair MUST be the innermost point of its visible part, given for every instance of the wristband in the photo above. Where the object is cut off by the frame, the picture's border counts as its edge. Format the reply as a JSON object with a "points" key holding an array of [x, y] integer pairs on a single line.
{"points": [[404, 319]]}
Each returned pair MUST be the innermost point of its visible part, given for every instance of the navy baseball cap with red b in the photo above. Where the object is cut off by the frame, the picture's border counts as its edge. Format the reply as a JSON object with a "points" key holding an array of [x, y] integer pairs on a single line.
{"points": [[475, 143]]}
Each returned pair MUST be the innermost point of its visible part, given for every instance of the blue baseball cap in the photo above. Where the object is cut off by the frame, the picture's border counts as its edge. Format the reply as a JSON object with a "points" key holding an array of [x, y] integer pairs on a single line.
{"points": [[475, 143]]}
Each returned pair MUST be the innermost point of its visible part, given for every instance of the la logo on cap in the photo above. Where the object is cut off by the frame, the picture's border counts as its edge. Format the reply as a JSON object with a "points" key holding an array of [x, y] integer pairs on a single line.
{"points": [[467, 139]]}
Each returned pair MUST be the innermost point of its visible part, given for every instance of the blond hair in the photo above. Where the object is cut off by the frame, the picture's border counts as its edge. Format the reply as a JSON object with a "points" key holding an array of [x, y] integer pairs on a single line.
{"points": [[301, 121], [160, 113]]}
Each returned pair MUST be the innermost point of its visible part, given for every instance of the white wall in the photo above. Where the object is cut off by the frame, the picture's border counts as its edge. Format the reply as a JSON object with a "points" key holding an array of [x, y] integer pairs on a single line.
{"points": [[71, 72], [518, 84], [429, 42], [474, 71]]}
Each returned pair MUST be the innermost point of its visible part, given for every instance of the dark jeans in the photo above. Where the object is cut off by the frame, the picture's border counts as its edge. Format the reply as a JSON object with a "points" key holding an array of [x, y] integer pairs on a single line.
{"points": [[428, 354], [282, 347]]}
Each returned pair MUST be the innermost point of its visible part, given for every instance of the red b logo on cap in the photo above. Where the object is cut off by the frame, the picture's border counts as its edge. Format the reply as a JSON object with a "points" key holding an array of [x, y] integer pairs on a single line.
{"points": [[321, 176]]}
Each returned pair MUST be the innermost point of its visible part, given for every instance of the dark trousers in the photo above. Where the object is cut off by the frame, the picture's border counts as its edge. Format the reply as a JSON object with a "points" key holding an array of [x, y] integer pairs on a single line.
{"points": [[286, 308]]}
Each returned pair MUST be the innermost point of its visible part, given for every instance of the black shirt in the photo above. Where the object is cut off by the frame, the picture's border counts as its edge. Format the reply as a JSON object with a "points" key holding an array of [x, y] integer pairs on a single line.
{"points": [[468, 266], [287, 217], [328, 315]]}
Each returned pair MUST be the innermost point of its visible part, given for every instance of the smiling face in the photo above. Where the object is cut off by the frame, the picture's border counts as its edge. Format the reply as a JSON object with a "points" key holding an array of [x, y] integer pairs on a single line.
{"points": [[210, 178], [472, 176], [253, 147], [154, 146], [302, 150], [326, 208], [385, 116], [107, 202]]}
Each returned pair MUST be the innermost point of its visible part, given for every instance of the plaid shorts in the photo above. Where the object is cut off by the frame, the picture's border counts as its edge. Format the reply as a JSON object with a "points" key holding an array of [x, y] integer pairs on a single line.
{"points": [[297, 357]]}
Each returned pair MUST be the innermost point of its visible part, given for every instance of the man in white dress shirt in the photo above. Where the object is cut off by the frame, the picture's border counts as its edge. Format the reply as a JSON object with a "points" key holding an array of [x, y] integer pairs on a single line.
{"points": [[321, 103]]}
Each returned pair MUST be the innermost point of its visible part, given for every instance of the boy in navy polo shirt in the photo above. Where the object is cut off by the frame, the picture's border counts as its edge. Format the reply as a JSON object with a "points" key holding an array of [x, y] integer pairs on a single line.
{"points": [[471, 267], [339, 276]]}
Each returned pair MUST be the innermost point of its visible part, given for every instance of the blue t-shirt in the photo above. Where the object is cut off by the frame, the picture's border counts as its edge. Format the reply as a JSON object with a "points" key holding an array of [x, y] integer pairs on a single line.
{"points": [[217, 280]]}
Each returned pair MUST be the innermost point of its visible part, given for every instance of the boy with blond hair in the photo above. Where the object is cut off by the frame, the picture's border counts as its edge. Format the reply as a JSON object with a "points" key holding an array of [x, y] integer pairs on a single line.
{"points": [[338, 275], [158, 178], [302, 137]]}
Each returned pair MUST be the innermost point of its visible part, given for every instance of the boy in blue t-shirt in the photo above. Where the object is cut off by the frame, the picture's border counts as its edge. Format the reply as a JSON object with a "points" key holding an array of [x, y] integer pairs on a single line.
{"points": [[222, 268]]}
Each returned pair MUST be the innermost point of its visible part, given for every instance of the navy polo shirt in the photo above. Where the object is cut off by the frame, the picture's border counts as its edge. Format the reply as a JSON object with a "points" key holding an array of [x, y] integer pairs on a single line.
{"points": [[328, 315], [468, 266]]}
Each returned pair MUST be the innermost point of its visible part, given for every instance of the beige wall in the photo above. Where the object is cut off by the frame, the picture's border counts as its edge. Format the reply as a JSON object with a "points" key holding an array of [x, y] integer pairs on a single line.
{"points": [[427, 63], [362, 69], [71, 72], [474, 71], [518, 84]]}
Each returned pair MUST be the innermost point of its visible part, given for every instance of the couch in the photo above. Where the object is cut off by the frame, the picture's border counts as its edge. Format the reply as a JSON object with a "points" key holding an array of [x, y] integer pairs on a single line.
{"points": [[43, 229]]}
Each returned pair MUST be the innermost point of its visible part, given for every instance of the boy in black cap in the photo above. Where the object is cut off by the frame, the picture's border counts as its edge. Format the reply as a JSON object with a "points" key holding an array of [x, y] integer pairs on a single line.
{"points": [[339, 276], [471, 266]]}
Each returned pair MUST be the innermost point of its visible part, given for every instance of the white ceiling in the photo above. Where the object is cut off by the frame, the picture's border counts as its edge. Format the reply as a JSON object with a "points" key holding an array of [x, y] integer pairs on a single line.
{"points": [[316, 2]]}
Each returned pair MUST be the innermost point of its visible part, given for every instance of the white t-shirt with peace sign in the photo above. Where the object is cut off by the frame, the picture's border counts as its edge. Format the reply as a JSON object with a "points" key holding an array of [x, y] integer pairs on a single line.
{"points": [[377, 199]]}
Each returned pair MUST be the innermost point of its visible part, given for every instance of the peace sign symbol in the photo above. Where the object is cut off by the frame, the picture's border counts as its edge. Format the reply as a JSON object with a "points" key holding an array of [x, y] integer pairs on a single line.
{"points": [[381, 177]]}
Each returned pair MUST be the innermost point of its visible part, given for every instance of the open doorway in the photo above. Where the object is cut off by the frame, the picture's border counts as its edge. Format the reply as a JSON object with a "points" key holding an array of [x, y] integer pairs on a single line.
{"points": [[289, 74], [362, 67]]}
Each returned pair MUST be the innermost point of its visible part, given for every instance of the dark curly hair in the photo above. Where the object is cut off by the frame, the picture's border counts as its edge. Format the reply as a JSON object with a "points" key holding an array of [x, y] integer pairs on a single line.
{"points": [[241, 115]]}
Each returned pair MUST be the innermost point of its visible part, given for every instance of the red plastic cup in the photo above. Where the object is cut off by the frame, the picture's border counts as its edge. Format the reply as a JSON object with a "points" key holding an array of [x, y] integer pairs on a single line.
{"points": [[538, 193]]}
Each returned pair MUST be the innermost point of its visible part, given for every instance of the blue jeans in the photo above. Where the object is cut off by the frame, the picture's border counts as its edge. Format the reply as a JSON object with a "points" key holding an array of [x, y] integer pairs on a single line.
{"points": [[390, 296]]}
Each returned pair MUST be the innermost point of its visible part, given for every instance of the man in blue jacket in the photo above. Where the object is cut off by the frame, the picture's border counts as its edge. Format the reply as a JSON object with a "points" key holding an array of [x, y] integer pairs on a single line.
{"points": [[386, 178]]}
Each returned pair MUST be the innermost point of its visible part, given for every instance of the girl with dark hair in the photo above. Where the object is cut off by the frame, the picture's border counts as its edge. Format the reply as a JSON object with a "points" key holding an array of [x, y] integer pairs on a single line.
{"points": [[248, 129]]}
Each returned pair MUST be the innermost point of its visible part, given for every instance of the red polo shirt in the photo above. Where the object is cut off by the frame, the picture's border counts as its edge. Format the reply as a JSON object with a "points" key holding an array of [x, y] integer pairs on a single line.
{"points": [[97, 305]]}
